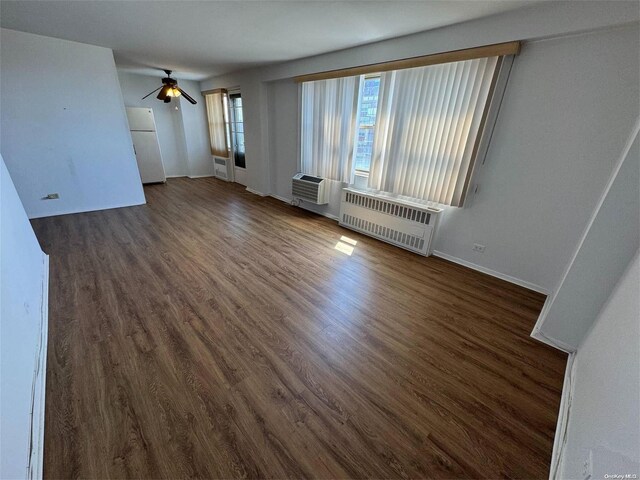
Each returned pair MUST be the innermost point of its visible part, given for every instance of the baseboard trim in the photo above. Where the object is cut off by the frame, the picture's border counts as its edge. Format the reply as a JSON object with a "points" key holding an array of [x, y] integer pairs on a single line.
{"points": [[256, 192], [288, 200], [38, 389], [91, 209], [175, 176], [200, 176], [328, 215], [282, 199], [493, 273], [560, 437]]}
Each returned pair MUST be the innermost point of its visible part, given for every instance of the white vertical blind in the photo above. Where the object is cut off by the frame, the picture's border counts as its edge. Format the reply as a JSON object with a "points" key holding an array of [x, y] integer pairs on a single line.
{"points": [[328, 127], [428, 122], [217, 125]]}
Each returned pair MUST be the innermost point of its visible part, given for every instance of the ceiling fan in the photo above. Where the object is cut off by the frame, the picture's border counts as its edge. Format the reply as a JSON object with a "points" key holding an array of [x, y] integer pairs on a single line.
{"points": [[170, 89]]}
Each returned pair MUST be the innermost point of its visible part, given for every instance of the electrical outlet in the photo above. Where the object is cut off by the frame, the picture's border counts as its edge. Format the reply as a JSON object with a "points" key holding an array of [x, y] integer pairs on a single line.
{"points": [[478, 248], [51, 196], [587, 466]]}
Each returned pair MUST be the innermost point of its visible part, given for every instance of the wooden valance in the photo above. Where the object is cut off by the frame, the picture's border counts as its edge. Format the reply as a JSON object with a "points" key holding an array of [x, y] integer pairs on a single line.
{"points": [[496, 50]]}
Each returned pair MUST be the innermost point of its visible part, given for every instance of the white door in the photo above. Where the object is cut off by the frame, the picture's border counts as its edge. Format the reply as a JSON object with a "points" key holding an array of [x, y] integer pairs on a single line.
{"points": [[240, 175], [148, 156], [236, 126]]}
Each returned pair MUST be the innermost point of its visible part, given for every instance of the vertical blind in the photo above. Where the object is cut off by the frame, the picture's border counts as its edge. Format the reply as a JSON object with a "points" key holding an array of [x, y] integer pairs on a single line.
{"points": [[328, 127], [217, 125], [428, 125]]}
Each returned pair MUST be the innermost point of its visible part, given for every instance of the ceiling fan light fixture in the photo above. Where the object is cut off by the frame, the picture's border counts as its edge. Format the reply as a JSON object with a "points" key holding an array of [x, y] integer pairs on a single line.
{"points": [[170, 89], [173, 92]]}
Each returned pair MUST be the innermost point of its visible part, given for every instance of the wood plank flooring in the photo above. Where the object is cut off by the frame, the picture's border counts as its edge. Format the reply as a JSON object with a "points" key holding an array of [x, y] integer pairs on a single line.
{"points": [[215, 334]]}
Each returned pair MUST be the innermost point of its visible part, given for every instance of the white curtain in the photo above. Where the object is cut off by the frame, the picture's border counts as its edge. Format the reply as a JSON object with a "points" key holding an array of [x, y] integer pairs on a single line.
{"points": [[217, 126], [426, 130], [328, 127]]}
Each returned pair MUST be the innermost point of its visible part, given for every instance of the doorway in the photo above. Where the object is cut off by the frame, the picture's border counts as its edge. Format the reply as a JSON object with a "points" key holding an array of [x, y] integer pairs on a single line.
{"points": [[236, 132]]}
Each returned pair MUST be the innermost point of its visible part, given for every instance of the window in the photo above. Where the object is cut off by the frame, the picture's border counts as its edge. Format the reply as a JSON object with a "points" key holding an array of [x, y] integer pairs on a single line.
{"points": [[236, 127], [328, 127], [413, 132], [367, 109]]}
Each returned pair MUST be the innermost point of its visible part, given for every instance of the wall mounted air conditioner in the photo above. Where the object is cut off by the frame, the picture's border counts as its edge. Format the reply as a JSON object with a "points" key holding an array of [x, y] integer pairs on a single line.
{"points": [[310, 189], [406, 224]]}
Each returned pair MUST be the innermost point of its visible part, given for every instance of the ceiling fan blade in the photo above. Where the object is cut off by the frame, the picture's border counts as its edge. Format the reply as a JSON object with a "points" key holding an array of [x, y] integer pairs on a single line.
{"points": [[163, 93], [167, 100], [187, 96], [151, 93]]}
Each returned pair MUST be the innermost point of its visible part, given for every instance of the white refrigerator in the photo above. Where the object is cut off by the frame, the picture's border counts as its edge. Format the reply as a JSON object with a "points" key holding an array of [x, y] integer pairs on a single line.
{"points": [[145, 144]]}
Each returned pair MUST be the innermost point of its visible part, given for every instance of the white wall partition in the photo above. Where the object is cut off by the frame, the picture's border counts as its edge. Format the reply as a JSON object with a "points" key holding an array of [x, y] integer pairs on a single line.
{"points": [[605, 396], [63, 126], [24, 284], [607, 244]]}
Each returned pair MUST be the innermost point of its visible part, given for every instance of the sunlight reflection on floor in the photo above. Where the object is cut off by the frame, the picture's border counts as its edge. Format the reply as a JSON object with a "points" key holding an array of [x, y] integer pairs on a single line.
{"points": [[346, 245]]}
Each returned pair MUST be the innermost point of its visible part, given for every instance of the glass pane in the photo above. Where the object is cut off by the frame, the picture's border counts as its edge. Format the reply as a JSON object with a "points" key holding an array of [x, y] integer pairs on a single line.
{"points": [[366, 122], [237, 129], [239, 159]]}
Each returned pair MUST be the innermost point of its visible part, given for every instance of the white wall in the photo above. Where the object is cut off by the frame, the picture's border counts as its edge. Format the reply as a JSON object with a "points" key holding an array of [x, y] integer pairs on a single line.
{"points": [[196, 131], [63, 126], [569, 104], [23, 308], [605, 408]]}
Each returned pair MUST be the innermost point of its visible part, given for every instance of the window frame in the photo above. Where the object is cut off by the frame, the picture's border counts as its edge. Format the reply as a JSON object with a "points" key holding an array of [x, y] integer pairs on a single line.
{"points": [[359, 178], [492, 109], [232, 125]]}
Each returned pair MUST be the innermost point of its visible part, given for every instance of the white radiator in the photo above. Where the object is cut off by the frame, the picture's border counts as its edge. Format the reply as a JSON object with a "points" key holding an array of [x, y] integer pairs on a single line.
{"points": [[405, 224], [221, 168]]}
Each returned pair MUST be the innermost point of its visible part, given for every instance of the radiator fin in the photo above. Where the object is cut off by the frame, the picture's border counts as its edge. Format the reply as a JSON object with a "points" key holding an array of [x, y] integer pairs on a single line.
{"points": [[390, 208], [409, 241]]}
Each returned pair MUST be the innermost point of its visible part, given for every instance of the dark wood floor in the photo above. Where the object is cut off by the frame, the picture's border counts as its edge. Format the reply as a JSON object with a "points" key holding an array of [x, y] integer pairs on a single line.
{"points": [[212, 333]]}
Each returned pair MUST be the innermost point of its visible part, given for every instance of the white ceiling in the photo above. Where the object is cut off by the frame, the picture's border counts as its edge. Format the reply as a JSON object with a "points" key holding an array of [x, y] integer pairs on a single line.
{"points": [[199, 39]]}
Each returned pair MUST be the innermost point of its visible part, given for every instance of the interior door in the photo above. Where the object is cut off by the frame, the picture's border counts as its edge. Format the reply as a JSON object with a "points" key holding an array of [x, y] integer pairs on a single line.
{"points": [[236, 124], [148, 157]]}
